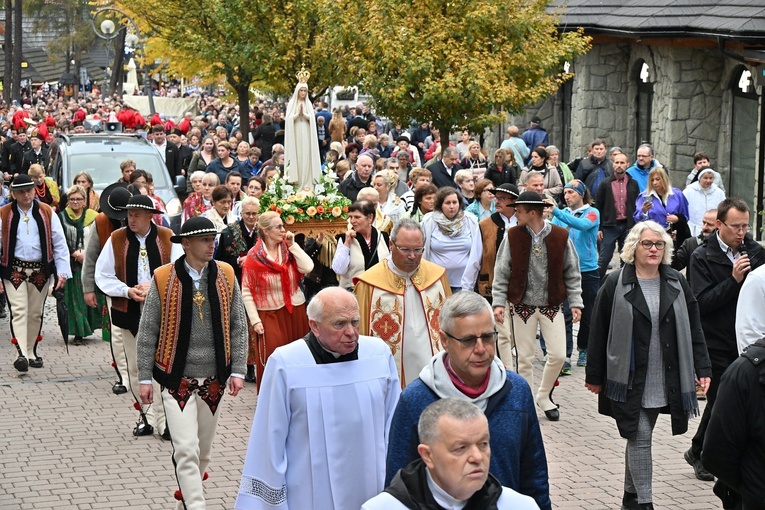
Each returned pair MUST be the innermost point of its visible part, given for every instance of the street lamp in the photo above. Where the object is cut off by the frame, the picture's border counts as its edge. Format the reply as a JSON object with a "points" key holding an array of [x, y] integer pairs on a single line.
{"points": [[107, 30]]}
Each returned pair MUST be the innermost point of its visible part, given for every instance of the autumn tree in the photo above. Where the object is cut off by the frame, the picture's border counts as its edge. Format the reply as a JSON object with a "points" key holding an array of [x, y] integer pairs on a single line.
{"points": [[261, 42], [458, 63]]}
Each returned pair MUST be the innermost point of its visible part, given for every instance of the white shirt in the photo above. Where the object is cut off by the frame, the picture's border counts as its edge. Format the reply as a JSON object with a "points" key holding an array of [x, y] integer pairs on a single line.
{"points": [[106, 276], [162, 149], [727, 250], [750, 321], [28, 246]]}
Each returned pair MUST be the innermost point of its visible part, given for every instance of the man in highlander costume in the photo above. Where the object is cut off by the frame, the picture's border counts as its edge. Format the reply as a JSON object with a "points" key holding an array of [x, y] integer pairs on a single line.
{"points": [[192, 340]]}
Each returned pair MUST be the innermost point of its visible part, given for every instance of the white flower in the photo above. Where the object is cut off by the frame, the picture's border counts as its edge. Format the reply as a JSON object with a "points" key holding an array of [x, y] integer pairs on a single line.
{"points": [[318, 189], [289, 189]]}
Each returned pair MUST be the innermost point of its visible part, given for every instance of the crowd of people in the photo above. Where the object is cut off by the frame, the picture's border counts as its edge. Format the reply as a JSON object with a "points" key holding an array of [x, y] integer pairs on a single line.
{"points": [[418, 325]]}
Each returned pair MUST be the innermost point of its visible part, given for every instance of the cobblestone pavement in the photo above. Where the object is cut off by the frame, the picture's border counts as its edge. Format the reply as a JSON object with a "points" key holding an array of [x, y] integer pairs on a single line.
{"points": [[67, 443]]}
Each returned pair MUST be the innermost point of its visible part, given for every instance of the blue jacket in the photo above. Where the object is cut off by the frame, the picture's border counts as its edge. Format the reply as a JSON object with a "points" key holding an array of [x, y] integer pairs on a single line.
{"points": [[583, 231], [518, 457], [535, 136], [641, 175]]}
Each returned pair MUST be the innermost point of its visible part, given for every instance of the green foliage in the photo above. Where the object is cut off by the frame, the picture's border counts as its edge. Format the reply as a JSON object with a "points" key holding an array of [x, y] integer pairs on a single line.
{"points": [[68, 17], [459, 63]]}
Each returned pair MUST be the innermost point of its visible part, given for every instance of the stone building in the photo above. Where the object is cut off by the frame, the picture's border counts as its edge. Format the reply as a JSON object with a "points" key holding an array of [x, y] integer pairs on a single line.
{"points": [[679, 74]]}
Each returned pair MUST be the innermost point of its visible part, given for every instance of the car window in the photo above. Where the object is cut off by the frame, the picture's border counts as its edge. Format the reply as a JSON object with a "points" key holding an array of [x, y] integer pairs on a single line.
{"points": [[104, 168]]}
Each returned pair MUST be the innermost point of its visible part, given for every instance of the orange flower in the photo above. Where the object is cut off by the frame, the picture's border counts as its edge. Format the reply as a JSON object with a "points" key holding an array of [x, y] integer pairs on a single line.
{"points": [[278, 211], [300, 211], [272, 207], [345, 209], [320, 209]]}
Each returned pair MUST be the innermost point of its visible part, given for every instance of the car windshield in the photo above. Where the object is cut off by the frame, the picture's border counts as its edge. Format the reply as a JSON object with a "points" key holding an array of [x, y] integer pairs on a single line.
{"points": [[104, 167]]}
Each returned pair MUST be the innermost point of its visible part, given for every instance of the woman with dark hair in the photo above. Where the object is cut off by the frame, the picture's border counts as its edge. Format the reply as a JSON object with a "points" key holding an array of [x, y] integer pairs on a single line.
{"points": [[361, 247], [352, 154], [539, 164], [224, 162], [423, 203], [204, 156], [256, 186], [453, 240], [265, 137], [86, 181], [221, 212], [483, 205], [646, 352]]}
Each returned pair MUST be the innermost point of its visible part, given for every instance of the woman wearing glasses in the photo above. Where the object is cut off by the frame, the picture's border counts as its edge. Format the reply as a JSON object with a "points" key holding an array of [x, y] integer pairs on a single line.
{"points": [[78, 221], [646, 352], [271, 277]]}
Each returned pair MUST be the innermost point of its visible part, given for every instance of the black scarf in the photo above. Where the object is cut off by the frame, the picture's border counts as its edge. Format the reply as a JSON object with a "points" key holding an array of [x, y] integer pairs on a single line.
{"points": [[410, 487], [322, 356], [370, 253]]}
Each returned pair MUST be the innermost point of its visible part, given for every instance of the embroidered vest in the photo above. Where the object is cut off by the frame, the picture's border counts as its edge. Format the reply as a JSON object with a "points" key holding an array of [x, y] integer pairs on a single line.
{"points": [[520, 253], [176, 292], [126, 313], [104, 228], [356, 266], [10, 217]]}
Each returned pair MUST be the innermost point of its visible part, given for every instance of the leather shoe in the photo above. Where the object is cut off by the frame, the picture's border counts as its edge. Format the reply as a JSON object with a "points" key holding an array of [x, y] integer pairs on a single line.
{"points": [[118, 389], [250, 376], [698, 467], [553, 414], [36, 363], [629, 501], [21, 364], [166, 434], [143, 429]]}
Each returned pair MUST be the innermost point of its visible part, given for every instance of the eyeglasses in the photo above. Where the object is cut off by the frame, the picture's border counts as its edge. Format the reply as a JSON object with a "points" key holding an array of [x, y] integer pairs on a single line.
{"points": [[277, 227], [737, 228], [410, 251], [341, 325], [469, 342], [649, 244], [76, 199], [248, 214]]}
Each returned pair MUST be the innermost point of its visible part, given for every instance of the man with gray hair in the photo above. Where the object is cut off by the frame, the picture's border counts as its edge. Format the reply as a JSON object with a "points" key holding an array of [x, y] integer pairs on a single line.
{"points": [[321, 426], [469, 369], [444, 171], [453, 468], [403, 286]]}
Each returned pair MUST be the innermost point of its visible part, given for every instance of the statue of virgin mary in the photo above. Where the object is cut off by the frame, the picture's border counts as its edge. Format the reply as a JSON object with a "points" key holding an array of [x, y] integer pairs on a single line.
{"points": [[302, 163]]}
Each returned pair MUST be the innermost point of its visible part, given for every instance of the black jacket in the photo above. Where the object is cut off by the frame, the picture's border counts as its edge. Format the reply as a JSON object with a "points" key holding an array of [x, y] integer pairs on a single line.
{"points": [[443, 177], [734, 445], [587, 171], [185, 153], [17, 156], [172, 159], [604, 201], [30, 158], [264, 138], [351, 185], [626, 414], [682, 256], [410, 487], [717, 293], [508, 174]]}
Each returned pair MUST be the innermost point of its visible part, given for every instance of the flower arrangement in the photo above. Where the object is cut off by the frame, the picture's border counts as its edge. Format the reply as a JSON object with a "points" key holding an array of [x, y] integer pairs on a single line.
{"points": [[323, 203]]}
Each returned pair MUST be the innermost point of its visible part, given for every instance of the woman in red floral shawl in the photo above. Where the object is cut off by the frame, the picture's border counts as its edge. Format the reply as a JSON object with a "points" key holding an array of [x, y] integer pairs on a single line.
{"points": [[271, 287]]}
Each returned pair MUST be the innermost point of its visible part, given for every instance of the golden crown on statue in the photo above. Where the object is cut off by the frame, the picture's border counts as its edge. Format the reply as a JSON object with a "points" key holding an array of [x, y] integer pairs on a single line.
{"points": [[303, 75]]}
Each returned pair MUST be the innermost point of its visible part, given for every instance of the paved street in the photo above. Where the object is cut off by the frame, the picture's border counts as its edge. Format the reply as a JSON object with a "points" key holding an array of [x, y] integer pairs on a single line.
{"points": [[67, 444]]}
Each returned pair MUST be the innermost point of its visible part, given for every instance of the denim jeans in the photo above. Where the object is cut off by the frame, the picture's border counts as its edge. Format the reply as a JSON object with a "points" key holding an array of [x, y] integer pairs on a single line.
{"points": [[590, 286], [611, 235]]}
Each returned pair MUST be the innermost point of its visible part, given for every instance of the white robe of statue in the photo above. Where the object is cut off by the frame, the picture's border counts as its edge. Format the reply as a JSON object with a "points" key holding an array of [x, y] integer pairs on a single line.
{"points": [[302, 163]]}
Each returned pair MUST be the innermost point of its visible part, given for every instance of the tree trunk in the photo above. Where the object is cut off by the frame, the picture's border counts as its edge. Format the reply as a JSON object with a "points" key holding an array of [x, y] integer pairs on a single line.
{"points": [[115, 81], [18, 18], [241, 84], [8, 49]]}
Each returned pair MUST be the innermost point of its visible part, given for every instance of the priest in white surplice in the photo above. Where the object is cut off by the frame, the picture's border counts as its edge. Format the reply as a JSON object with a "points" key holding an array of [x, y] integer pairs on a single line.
{"points": [[400, 298], [320, 433]]}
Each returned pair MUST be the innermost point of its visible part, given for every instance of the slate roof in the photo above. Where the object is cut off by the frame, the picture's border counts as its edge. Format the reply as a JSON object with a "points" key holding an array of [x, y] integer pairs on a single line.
{"points": [[742, 20]]}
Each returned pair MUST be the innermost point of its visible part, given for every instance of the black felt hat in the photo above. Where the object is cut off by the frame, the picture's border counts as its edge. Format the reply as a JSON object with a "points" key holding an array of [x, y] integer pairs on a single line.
{"points": [[22, 182], [114, 199], [197, 226], [142, 203], [510, 189], [531, 198]]}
